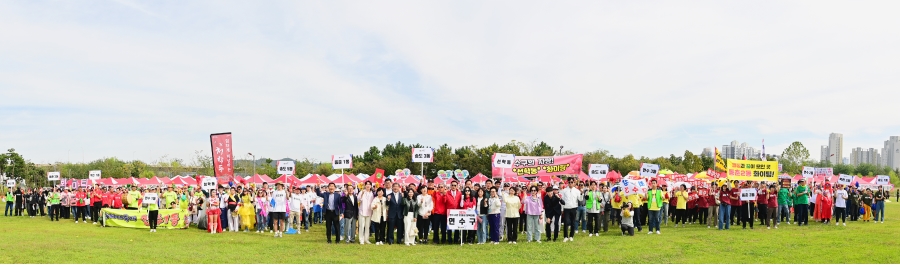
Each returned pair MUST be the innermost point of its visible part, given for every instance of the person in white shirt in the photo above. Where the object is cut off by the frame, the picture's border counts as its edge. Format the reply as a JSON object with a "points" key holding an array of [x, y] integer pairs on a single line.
{"points": [[296, 206], [840, 204], [365, 212], [279, 204], [570, 197], [426, 205]]}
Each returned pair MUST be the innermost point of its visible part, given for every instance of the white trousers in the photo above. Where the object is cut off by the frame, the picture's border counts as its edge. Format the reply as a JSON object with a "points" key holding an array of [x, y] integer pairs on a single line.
{"points": [[364, 223], [234, 221], [410, 236]]}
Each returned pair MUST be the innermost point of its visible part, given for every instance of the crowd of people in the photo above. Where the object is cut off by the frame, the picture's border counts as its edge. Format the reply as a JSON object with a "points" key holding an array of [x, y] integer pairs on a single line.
{"points": [[389, 213]]}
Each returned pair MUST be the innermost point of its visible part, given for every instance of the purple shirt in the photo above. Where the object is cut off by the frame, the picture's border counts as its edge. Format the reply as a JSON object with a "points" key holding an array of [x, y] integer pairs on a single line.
{"points": [[533, 205]]}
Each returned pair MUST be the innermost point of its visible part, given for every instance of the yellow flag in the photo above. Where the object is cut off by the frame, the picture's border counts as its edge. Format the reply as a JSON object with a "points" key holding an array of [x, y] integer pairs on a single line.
{"points": [[720, 163]]}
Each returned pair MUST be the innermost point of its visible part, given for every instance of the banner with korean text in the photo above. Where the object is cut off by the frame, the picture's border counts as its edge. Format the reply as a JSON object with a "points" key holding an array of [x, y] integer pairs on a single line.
{"points": [[221, 154], [752, 170], [167, 219], [541, 166]]}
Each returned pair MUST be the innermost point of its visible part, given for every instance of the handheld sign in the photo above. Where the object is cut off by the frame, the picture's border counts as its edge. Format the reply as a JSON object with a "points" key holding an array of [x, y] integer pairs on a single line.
{"points": [[53, 176], [503, 160], [151, 198], [748, 194], [342, 161], [630, 186], [460, 219], [825, 171], [285, 167], [208, 183], [808, 172], [10, 183], [598, 171], [458, 173], [649, 170], [845, 179], [94, 174], [882, 180], [422, 155]]}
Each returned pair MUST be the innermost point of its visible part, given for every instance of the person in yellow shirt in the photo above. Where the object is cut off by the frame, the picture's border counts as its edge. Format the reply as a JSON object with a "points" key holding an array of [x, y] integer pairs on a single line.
{"points": [[681, 198], [637, 200], [617, 199]]}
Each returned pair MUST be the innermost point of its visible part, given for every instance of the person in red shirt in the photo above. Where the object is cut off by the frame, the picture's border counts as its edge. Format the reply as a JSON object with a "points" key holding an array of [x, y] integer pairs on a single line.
{"points": [[439, 213], [96, 203], [81, 202], [746, 212], [692, 205], [702, 206], [772, 203], [453, 201], [117, 199], [107, 198], [762, 198], [736, 203], [724, 207], [712, 214]]}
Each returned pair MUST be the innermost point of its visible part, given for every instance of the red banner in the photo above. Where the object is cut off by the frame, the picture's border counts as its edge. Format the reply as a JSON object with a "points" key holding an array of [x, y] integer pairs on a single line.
{"points": [[221, 154]]}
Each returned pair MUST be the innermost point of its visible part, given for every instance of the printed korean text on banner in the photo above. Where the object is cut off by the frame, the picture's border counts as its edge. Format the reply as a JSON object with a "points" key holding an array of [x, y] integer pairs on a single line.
{"points": [[630, 186], [422, 155], [808, 172], [598, 171], [94, 174], [752, 170], [845, 179], [84, 183], [882, 180], [221, 145], [461, 219], [649, 170], [748, 194], [285, 167], [824, 171], [150, 198], [500, 160], [208, 183], [10, 183], [541, 166], [62, 182], [167, 218], [52, 176], [342, 161]]}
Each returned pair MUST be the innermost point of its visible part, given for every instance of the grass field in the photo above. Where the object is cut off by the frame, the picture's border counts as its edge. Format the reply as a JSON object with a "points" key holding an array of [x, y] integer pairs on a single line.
{"points": [[26, 240]]}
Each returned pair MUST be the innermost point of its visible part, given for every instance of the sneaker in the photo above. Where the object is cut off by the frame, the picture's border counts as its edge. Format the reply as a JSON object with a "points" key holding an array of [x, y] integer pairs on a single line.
{"points": [[539, 241], [565, 239], [776, 227], [515, 243], [707, 226], [576, 231], [96, 222], [571, 239], [657, 232], [76, 222], [845, 224], [768, 227], [590, 235], [882, 222], [650, 233], [836, 223]]}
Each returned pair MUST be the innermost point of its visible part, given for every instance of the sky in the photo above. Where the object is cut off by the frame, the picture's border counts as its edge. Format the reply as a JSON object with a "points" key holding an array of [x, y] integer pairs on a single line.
{"points": [[82, 80]]}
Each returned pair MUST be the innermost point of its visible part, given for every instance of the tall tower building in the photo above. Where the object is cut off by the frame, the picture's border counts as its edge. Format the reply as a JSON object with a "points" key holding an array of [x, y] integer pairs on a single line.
{"points": [[890, 154], [835, 148]]}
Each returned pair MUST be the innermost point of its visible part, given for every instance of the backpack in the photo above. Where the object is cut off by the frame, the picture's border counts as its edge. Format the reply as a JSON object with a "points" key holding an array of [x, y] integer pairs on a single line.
{"points": [[617, 198]]}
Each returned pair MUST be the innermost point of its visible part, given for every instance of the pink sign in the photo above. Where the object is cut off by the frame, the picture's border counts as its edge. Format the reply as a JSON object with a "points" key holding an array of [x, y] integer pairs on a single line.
{"points": [[221, 154], [541, 166]]}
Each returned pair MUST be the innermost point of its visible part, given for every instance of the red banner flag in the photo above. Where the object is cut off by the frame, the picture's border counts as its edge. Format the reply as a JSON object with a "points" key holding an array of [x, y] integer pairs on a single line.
{"points": [[221, 154], [379, 174]]}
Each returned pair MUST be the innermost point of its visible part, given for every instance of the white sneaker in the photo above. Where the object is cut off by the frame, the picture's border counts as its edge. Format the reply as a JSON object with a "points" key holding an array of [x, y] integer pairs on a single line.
{"points": [[882, 222], [657, 232], [845, 224], [650, 233], [565, 239], [76, 222], [576, 231], [515, 243], [776, 227], [707, 226], [572, 239], [96, 222], [539, 241], [836, 223], [768, 227]]}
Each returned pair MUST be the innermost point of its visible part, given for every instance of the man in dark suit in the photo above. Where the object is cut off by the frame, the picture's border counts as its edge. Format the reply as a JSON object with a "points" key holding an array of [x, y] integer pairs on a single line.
{"points": [[333, 212], [395, 215], [351, 211]]}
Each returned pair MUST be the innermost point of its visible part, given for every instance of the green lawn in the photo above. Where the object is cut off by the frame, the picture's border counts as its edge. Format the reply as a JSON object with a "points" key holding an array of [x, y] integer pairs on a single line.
{"points": [[26, 240]]}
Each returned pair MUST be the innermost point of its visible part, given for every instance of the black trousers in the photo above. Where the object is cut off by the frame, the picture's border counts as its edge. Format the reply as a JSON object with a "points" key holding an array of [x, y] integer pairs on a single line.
{"points": [[422, 225], [703, 213], [840, 214], [512, 233], [644, 216], [31, 208], [331, 224], [19, 208], [853, 211], [41, 208], [802, 211], [761, 209], [554, 223], [616, 217], [569, 222], [593, 223], [54, 212], [380, 228], [746, 216], [395, 223], [95, 212], [680, 215], [154, 218], [439, 228], [469, 236]]}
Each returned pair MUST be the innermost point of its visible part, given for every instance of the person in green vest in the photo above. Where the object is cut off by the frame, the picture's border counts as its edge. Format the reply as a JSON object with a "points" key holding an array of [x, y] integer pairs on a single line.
{"points": [[594, 203], [785, 201], [133, 197], [10, 200], [55, 199], [655, 199], [801, 203], [171, 198]]}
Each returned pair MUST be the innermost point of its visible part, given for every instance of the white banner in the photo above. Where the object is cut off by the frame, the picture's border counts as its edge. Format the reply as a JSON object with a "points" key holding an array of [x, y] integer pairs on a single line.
{"points": [[422, 155], [649, 170], [825, 171], [461, 219], [503, 160], [845, 179], [808, 172], [882, 180], [630, 186], [285, 167], [150, 198], [53, 176], [94, 174], [208, 183], [342, 161], [748, 194], [598, 171], [10, 183]]}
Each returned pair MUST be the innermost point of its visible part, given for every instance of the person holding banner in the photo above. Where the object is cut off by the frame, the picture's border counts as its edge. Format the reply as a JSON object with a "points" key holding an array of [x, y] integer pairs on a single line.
{"points": [[422, 222], [801, 202], [10, 200], [569, 197], [54, 204], [512, 215], [151, 201], [593, 204], [96, 203]]}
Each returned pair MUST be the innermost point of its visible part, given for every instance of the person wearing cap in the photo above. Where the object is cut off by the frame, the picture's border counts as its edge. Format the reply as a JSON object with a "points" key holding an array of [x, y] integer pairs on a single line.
{"points": [[617, 199], [853, 201], [552, 211], [801, 202]]}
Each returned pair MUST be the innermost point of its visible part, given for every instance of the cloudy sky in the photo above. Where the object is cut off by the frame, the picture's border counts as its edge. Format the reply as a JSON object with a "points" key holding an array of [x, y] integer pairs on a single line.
{"points": [[91, 79]]}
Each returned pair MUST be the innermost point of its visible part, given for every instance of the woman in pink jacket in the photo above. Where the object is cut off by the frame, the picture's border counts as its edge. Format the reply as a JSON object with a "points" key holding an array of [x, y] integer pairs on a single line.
{"points": [[365, 198]]}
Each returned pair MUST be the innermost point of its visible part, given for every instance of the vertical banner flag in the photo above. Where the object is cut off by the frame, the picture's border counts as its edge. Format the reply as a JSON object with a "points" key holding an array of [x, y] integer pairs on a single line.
{"points": [[845, 179], [719, 162], [501, 160], [52, 176], [649, 170], [285, 167], [882, 180], [208, 183], [540, 166], [824, 172], [221, 154], [762, 156], [94, 174], [342, 161], [752, 170], [748, 194], [422, 155], [598, 171], [808, 172], [379, 174]]}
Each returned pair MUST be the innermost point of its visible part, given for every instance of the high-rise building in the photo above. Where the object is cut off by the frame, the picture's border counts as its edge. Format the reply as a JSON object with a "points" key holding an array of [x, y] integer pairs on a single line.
{"points": [[890, 154], [738, 151], [824, 153], [708, 152], [865, 156], [835, 148]]}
